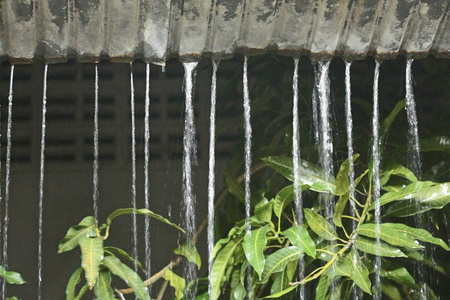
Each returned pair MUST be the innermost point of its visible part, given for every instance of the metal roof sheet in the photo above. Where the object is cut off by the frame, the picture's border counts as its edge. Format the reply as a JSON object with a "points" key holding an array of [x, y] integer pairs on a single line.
{"points": [[155, 30]]}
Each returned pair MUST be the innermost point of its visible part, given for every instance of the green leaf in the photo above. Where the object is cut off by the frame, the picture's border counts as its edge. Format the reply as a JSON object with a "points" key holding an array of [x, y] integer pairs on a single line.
{"points": [[82, 291], [299, 237], [277, 261], [223, 259], [177, 282], [391, 291], [279, 294], [11, 277], [401, 276], [393, 168], [405, 193], [128, 275], [417, 233], [342, 177], [102, 288], [284, 197], [435, 197], [91, 257], [311, 175], [72, 284], [370, 246], [142, 211], [339, 209], [436, 143], [281, 280], [322, 288], [190, 252], [264, 212], [319, 225], [234, 187], [121, 253], [428, 261], [390, 233], [86, 228], [239, 292], [254, 248], [390, 119], [360, 274]]}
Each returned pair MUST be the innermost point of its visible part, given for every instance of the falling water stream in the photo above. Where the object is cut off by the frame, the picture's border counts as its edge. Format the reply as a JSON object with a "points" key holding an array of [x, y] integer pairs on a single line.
{"points": [[189, 159], [7, 179], [325, 131], [146, 171], [415, 164], [296, 164], [376, 180], [134, 240], [211, 175], [315, 109], [248, 164], [95, 163], [41, 181]]}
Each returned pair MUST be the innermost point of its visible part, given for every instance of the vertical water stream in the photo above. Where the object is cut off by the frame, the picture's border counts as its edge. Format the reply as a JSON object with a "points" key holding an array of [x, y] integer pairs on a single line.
{"points": [[7, 179], [41, 182], [146, 170], [189, 159], [248, 164], [377, 295], [211, 169], [296, 164], [134, 240], [95, 163]]}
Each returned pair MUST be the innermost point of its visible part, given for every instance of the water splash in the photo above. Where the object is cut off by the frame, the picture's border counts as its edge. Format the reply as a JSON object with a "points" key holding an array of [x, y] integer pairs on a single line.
{"points": [[325, 130], [211, 174], [134, 240], [95, 163], [248, 164], [7, 179], [414, 159], [189, 159], [41, 182], [146, 170], [377, 295], [296, 164]]}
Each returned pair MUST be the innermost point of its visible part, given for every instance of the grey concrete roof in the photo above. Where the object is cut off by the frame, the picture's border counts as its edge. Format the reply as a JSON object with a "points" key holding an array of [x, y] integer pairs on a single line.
{"points": [[154, 30]]}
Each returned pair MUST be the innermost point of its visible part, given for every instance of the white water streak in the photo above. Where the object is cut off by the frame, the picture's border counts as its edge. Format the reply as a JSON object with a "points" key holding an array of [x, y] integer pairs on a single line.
{"points": [[41, 182], [95, 163], [211, 174], [7, 179], [248, 163], [134, 240], [146, 170], [189, 159], [376, 179], [296, 164], [325, 130], [315, 110], [414, 159]]}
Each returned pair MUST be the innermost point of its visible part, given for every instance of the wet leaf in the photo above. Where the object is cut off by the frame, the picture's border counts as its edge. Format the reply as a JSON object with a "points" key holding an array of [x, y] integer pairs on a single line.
{"points": [[74, 280], [254, 248], [310, 174], [119, 252], [264, 212], [383, 249], [339, 209], [384, 128], [223, 260], [391, 291], [279, 294], [322, 288], [299, 237], [177, 282], [128, 275], [284, 197], [342, 177], [360, 274], [277, 261], [319, 225], [401, 276], [86, 228], [281, 280], [190, 252], [391, 233], [142, 211], [393, 168], [91, 257], [102, 288], [11, 277], [405, 193]]}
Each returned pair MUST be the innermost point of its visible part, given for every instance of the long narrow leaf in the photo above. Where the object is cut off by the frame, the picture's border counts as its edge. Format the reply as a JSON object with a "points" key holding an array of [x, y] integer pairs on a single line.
{"points": [[91, 257], [319, 225], [254, 248], [299, 237]]}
